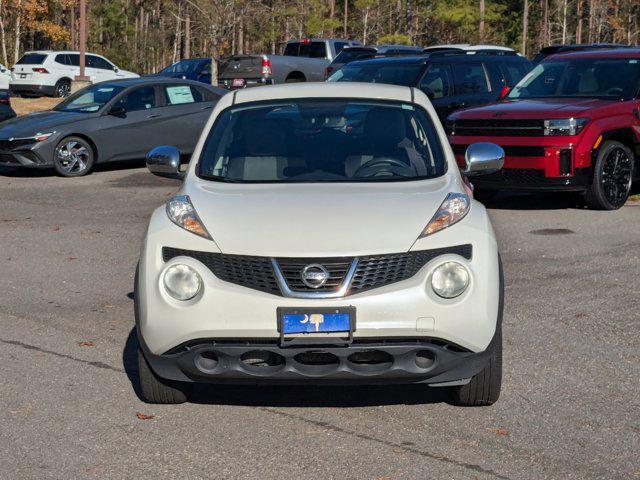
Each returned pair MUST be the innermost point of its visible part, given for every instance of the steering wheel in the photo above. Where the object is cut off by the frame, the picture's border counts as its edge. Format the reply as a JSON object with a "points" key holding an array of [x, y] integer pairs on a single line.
{"points": [[615, 91], [389, 166]]}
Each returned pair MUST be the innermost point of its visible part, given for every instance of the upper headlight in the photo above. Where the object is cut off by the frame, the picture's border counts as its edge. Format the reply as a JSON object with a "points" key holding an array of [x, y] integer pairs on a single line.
{"points": [[181, 212], [452, 210], [564, 126]]}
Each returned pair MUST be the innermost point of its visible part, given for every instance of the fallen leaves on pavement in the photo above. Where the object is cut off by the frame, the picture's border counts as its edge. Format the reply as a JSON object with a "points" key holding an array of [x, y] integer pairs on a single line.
{"points": [[142, 416]]}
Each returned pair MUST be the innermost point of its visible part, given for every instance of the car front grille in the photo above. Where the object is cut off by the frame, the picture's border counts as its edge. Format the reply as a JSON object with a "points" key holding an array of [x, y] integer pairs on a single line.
{"points": [[291, 269], [514, 175], [499, 128], [509, 150], [248, 271], [380, 270], [371, 272]]}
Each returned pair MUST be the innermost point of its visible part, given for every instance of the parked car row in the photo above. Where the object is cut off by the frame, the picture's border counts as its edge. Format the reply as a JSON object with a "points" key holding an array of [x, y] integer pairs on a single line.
{"points": [[107, 121], [571, 123]]}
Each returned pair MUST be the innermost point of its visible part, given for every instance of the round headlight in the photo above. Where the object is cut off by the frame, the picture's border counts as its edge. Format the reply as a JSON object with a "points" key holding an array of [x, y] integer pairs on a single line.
{"points": [[182, 282], [450, 279]]}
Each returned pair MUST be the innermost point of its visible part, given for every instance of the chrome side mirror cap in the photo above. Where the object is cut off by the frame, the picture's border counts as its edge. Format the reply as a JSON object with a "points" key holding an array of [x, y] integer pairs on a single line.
{"points": [[483, 158], [164, 162]]}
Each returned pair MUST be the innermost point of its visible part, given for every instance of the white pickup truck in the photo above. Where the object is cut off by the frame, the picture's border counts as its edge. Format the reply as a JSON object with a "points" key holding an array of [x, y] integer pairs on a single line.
{"points": [[302, 61]]}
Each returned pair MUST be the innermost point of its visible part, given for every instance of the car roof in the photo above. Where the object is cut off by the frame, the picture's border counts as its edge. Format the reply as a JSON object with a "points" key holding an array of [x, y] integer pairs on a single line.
{"points": [[378, 91], [127, 82], [448, 56], [598, 53], [49, 52]]}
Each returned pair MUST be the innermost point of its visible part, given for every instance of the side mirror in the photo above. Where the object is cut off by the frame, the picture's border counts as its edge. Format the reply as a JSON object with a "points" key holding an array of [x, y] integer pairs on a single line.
{"points": [[429, 93], [164, 162], [118, 111], [116, 69], [483, 158]]}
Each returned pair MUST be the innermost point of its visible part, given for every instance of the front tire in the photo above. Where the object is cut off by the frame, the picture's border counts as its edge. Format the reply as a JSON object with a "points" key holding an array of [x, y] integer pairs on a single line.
{"points": [[612, 177], [484, 388], [73, 157], [154, 389]]}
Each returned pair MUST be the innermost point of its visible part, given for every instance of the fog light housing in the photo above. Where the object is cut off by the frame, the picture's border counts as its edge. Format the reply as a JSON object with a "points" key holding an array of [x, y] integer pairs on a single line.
{"points": [[182, 282], [450, 280]]}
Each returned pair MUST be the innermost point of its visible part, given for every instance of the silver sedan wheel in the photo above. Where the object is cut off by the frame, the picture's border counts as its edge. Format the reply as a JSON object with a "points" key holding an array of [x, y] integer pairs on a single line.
{"points": [[72, 157]]}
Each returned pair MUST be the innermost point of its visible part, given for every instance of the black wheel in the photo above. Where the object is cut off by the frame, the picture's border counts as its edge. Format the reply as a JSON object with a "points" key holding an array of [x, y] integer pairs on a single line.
{"points": [[612, 176], [62, 88], [73, 157], [484, 387], [154, 389]]}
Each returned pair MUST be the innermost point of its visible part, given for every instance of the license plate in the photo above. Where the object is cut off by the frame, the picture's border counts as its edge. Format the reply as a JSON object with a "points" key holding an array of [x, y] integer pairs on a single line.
{"points": [[297, 321], [238, 82], [23, 75]]}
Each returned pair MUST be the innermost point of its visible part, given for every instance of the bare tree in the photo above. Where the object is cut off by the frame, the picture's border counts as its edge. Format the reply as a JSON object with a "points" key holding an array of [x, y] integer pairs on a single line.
{"points": [[525, 26], [481, 26]]}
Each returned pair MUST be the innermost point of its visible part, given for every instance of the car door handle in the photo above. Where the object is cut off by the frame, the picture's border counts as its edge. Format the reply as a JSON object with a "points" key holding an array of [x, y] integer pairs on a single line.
{"points": [[153, 115], [457, 105], [207, 108]]}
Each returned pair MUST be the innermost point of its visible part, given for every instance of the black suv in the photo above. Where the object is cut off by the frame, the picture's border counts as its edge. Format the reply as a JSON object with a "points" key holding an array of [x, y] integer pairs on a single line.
{"points": [[451, 79]]}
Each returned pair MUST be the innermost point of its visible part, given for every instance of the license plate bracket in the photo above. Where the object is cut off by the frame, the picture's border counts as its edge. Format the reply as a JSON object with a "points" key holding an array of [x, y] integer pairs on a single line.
{"points": [[316, 325]]}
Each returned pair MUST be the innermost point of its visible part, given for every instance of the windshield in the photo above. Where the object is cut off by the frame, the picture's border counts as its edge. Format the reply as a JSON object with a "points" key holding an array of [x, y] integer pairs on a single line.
{"points": [[393, 73], [334, 140], [90, 99], [349, 55], [179, 67], [614, 78]]}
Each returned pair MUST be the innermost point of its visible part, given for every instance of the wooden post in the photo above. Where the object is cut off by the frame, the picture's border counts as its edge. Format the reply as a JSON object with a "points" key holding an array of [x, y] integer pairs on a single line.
{"points": [[83, 41]]}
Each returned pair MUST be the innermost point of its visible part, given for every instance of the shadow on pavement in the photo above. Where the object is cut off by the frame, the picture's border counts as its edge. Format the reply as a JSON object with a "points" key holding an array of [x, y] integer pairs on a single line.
{"points": [[535, 201], [292, 395]]}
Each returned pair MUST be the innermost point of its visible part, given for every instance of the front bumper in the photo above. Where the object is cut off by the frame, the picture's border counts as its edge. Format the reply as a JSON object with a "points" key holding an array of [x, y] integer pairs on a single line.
{"points": [[367, 361], [21, 153], [536, 164]]}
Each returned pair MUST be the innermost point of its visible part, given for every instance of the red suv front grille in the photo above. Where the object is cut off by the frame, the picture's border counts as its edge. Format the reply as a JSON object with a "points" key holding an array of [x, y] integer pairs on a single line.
{"points": [[499, 128]]}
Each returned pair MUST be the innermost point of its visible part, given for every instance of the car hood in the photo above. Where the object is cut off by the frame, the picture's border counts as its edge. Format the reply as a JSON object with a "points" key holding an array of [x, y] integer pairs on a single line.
{"points": [[318, 219], [534, 108], [38, 122]]}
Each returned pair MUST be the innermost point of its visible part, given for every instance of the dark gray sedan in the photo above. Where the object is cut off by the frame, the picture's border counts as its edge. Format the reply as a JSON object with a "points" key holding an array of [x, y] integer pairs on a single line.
{"points": [[108, 121]]}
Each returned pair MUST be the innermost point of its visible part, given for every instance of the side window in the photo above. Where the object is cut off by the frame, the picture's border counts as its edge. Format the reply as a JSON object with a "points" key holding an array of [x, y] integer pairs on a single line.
{"points": [[98, 62], [208, 96], [74, 59], [470, 78], [63, 59], [181, 94], [437, 79], [318, 50], [141, 98], [291, 50]]}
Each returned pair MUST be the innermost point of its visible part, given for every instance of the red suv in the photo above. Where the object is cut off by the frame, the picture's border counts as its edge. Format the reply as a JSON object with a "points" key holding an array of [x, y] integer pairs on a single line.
{"points": [[572, 124]]}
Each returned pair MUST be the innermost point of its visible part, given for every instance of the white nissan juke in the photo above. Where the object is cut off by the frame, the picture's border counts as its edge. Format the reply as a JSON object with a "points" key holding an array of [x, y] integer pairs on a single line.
{"points": [[323, 234]]}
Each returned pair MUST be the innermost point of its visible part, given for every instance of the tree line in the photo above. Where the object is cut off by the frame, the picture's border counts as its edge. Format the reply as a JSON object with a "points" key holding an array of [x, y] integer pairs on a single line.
{"points": [[146, 35]]}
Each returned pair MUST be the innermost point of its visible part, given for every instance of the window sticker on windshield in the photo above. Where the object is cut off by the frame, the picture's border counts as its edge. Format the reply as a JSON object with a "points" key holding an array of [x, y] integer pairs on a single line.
{"points": [[407, 107], [549, 80], [180, 94]]}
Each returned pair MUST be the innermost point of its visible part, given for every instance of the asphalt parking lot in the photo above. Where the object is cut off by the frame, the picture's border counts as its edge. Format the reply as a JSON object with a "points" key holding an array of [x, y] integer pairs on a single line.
{"points": [[570, 407]]}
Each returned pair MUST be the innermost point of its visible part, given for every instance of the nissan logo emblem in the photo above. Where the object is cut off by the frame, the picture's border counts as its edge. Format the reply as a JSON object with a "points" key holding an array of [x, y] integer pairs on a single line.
{"points": [[314, 275]]}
